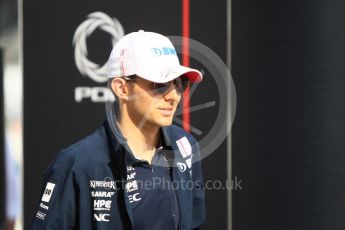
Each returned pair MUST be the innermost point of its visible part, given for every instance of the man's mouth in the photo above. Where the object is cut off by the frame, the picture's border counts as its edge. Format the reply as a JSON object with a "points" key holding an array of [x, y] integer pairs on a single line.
{"points": [[166, 111]]}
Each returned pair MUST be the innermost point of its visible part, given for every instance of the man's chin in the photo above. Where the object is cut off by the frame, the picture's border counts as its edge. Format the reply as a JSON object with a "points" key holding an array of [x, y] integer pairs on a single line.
{"points": [[165, 123]]}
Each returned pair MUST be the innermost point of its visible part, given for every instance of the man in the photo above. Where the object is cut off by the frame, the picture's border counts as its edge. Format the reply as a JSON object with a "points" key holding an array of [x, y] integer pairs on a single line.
{"points": [[138, 171]]}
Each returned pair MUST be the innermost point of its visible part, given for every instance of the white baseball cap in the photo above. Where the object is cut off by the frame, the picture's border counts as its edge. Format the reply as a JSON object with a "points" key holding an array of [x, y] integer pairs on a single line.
{"points": [[150, 56]]}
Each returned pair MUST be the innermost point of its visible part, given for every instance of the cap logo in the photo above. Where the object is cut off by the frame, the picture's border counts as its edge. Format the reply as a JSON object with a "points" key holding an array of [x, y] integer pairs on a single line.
{"points": [[163, 51], [181, 166]]}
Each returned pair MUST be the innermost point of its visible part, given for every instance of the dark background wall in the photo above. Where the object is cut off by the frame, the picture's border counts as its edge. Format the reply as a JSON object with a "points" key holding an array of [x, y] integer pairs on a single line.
{"points": [[288, 63], [208, 26]]}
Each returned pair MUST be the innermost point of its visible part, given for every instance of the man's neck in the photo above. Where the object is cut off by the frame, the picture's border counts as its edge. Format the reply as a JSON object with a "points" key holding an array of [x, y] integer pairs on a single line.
{"points": [[141, 140]]}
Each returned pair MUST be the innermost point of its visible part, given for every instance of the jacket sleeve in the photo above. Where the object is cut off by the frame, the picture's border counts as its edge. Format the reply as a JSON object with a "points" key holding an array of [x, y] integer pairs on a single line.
{"points": [[199, 210], [57, 206]]}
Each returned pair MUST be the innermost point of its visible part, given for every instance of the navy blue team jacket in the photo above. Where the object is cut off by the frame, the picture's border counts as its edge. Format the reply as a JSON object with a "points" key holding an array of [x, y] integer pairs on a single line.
{"points": [[84, 187]]}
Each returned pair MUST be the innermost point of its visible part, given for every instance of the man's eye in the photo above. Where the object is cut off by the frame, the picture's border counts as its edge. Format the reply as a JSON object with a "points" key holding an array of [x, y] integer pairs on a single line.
{"points": [[158, 85]]}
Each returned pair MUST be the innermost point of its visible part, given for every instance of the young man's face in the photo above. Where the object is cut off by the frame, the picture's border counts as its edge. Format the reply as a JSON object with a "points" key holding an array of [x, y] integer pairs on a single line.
{"points": [[149, 108]]}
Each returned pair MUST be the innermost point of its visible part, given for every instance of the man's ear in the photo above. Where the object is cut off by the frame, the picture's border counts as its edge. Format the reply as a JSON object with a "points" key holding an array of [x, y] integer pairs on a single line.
{"points": [[118, 85]]}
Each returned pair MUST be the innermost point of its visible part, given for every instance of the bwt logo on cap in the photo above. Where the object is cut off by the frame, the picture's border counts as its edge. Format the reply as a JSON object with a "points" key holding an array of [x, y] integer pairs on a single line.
{"points": [[163, 51]]}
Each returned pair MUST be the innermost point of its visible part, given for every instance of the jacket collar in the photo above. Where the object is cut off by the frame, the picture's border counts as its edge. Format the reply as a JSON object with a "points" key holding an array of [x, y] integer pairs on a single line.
{"points": [[119, 142]]}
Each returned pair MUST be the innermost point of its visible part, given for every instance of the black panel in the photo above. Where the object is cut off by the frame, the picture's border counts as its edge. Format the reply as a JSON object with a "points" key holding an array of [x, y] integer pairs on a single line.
{"points": [[288, 62], [208, 26]]}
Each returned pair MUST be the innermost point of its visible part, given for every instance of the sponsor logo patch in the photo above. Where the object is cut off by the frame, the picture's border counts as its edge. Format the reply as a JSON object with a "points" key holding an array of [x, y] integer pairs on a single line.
{"points": [[40, 215], [132, 186], [181, 166], [48, 192], [130, 168], [102, 205], [189, 162], [134, 198], [101, 217], [163, 51], [184, 147], [102, 184], [44, 206], [102, 194], [131, 176]]}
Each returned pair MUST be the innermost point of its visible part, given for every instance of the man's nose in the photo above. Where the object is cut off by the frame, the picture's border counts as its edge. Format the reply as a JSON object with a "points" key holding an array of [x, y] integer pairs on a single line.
{"points": [[172, 93]]}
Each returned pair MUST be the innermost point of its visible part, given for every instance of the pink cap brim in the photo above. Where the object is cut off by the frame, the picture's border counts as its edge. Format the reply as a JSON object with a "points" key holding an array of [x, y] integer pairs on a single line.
{"points": [[192, 74]]}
